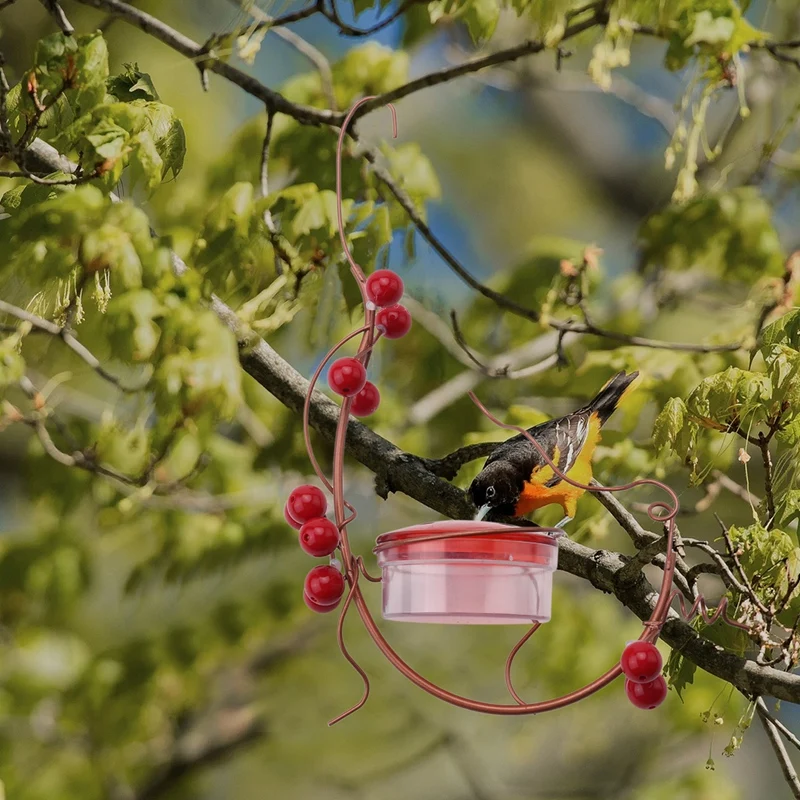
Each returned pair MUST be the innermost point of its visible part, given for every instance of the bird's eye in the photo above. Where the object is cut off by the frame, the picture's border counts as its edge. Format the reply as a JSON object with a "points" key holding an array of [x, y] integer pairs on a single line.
{"points": [[490, 492]]}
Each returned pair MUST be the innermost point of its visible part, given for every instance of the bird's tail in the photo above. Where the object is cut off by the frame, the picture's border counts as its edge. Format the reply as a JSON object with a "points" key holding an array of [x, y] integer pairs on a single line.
{"points": [[605, 404]]}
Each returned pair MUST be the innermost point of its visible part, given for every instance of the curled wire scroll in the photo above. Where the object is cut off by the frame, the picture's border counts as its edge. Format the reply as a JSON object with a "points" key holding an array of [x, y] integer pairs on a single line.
{"points": [[354, 566]]}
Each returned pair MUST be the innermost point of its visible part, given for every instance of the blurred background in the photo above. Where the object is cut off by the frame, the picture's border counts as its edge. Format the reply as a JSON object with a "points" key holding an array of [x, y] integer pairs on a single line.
{"points": [[532, 165]]}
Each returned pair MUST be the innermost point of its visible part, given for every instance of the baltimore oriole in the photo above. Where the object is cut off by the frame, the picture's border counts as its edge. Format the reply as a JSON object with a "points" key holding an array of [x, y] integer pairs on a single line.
{"points": [[515, 479]]}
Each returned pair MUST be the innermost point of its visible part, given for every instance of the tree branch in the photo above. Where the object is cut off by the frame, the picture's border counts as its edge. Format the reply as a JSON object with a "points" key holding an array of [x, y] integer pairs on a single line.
{"points": [[70, 341], [315, 56], [787, 768], [231, 730], [207, 59]]}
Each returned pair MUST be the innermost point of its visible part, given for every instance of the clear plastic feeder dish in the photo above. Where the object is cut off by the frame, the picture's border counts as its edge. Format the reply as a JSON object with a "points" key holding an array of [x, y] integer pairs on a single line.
{"points": [[500, 576]]}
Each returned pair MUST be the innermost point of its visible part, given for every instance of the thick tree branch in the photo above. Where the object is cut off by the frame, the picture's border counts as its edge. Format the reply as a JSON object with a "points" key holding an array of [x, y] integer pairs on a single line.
{"points": [[231, 730]]}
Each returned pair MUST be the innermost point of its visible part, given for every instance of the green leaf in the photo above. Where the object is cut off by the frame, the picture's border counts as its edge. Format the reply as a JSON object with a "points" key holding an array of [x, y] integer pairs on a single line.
{"points": [[126, 450], [415, 174], [145, 162], [12, 365], [108, 247], [729, 234], [679, 672], [108, 139], [784, 331], [481, 18], [133, 324], [669, 424], [360, 6], [132, 84], [329, 308]]}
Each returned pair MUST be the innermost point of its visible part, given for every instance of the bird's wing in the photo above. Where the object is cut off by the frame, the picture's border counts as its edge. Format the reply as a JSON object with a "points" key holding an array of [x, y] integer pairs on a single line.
{"points": [[562, 440], [570, 436]]}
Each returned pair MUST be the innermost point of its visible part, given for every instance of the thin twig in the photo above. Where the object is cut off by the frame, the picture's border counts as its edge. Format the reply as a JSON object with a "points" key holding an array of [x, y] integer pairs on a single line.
{"points": [[785, 762], [734, 554], [766, 456], [504, 371], [349, 30], [790, 737], [724, 571], [315, 56], [70, 341], [57, 13]]}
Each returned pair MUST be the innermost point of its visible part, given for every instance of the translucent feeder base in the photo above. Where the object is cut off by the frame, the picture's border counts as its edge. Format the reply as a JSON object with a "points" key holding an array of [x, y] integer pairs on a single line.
{"points": [[467, 593]]}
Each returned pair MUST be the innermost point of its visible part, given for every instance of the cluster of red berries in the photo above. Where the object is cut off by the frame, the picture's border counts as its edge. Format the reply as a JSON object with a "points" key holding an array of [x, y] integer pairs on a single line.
{"points": [[645, 685], [348, 376], [305, 512], [305, 509]]}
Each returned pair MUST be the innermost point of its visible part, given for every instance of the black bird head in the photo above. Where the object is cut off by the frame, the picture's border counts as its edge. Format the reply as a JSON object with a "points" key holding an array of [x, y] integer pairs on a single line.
{"points": [[496, 490]]}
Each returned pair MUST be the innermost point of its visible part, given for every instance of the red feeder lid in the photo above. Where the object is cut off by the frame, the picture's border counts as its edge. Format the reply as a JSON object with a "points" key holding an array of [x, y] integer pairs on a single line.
{"points": [[489, 541]]}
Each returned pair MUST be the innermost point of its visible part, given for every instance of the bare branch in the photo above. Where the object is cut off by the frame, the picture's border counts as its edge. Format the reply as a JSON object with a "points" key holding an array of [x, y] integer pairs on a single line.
{"points": [[785, 762], [723, 570], [349, 30], [766, 456], [734, 554], [208, 60], [790, 737], [70, 341], [57, 13], [227, 733], [315, 56], [501, 372], [734, 488]]}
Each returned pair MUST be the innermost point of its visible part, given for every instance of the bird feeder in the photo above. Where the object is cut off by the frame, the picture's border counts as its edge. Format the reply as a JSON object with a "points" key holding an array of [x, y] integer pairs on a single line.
{"points": [[467, 572], [454, 572]]}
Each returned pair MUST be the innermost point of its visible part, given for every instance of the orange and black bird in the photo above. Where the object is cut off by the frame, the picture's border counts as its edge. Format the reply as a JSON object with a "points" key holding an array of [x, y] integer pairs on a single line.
{"points": [[515, 479]]}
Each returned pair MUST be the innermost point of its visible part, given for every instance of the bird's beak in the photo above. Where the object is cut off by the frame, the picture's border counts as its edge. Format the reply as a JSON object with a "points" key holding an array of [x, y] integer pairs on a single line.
{"points": [[482, 512]]}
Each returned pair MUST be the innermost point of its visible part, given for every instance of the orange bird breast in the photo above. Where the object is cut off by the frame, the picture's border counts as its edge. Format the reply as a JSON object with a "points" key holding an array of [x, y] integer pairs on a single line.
{"points": [[536, 494]]}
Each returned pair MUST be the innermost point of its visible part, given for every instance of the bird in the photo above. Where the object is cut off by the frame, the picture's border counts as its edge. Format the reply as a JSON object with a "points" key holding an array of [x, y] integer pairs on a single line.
{"points": [[516, 480]]}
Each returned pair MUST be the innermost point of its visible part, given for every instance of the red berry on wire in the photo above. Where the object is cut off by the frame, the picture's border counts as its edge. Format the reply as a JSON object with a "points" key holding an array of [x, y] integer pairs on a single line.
{"points": [[384, 287], [317, 607], [306, 502], [290, 519], [324, 585], [641, 662], [366, 402], [647, 695], [393, 322], [347, 376], [319, 537]]}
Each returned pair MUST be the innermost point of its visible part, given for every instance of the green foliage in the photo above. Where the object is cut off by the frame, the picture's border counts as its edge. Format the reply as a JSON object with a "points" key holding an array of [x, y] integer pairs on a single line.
{"points": [[70, 78], [708, 28], [480, 16], [729, 234]]}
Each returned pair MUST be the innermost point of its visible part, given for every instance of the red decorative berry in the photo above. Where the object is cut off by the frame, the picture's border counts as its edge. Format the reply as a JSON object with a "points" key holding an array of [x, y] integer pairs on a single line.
{"points": [[393, 322], [306, 502], [366, 402], [317, 607], [347, 376], [319, 537], [384, 287], [290, 519], [641, 662], [324, 585], [647, 695]]}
